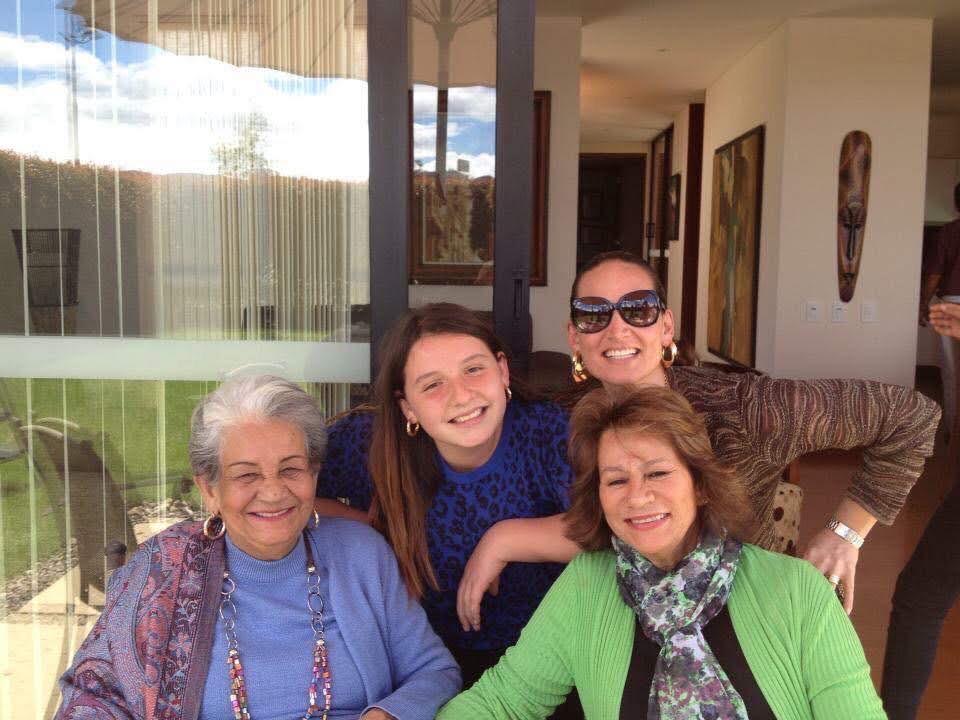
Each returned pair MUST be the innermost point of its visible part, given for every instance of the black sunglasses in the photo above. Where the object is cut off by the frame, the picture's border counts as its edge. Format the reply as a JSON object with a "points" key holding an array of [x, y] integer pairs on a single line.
{"points": [[640, 308]]}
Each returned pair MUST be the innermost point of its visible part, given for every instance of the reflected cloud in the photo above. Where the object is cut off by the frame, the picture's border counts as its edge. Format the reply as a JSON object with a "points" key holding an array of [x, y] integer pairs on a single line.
{"points": [[475, 102], [482, 164], [425, 138], [169, 113]]}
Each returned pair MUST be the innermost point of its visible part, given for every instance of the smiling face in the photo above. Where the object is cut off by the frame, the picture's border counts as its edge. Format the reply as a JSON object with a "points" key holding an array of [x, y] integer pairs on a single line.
{"points": [[648, 497], [621, 355], [266, 488], [455, 388]]}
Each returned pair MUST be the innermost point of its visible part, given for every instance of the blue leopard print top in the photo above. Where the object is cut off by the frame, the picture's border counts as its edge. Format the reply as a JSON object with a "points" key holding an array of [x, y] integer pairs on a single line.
{"points": [[527, 476]]}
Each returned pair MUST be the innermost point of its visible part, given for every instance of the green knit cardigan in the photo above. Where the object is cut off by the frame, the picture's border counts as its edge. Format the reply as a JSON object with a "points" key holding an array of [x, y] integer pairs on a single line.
{"points": [[797, 640]]}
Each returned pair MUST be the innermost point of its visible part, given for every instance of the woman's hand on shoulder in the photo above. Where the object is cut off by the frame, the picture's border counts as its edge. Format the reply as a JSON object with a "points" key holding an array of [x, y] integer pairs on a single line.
{"points": [[834, 556]]}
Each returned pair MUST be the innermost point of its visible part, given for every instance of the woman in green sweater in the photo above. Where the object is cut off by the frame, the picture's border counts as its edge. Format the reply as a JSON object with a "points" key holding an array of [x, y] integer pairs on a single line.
{"points": [[672, 616]]}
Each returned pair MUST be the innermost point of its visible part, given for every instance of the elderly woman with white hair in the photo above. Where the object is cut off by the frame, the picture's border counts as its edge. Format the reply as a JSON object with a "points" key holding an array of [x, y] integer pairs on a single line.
{"points": [[264, 610]]}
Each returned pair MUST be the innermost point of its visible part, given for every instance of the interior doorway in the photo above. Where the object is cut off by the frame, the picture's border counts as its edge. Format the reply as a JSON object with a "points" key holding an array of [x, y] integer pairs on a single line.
{"points": [[610, 204]]}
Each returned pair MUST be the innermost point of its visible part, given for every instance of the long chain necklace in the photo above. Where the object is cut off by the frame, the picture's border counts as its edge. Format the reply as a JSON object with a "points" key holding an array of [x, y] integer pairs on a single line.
{"points": [[320, 682]]}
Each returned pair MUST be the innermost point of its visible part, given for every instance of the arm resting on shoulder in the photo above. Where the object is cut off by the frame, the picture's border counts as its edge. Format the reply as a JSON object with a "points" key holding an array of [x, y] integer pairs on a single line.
{"points": [[894, 425], [335, 508], [515, 540]]}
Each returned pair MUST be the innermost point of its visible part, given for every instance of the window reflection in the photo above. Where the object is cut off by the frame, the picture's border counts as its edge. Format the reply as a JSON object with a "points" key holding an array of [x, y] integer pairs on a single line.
{"points": [[88, 470], [454, 141], [174, 170], [211, 158]]}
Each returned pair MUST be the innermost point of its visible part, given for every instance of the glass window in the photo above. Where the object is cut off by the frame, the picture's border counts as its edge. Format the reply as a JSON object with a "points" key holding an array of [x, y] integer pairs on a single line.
{"points": [[197, 173], [183, 195], [454, 52]]}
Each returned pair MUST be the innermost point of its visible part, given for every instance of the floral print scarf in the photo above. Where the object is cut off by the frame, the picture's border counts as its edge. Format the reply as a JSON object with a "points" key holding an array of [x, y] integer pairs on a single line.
{"points": [[673, 607]]}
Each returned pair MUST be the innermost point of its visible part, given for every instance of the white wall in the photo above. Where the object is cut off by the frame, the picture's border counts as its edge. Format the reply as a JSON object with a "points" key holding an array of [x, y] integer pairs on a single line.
{"points": [[557, 69], [750, 93], [810, 82], [837, 81]]}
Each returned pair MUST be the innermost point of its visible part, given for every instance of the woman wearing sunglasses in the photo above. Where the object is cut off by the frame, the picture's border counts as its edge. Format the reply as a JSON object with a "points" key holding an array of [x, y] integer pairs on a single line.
{"points": [[621, 334]]}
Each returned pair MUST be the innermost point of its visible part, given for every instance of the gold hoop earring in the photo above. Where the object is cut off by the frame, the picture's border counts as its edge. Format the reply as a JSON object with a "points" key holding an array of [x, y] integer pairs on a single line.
{"points": [[577, 369], [413, 428], [668, 354], [509, 393], [208, 526]]}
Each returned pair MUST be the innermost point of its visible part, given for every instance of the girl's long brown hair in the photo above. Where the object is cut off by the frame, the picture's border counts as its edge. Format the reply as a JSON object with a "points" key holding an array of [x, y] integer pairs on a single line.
{"points": [[404, 469]]}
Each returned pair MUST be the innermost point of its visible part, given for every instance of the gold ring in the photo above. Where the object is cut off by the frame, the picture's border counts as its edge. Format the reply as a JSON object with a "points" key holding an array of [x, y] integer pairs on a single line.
{"points": [[841, 592]]}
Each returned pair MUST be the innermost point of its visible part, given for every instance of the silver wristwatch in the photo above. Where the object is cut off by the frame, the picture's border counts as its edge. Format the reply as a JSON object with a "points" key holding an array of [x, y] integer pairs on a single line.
{"points": [[847, 533]]}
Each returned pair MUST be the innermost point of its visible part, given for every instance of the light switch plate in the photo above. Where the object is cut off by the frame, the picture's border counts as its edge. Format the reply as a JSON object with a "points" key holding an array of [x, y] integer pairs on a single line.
{"points": [[868, 311], [813, 311], [839, 311]]}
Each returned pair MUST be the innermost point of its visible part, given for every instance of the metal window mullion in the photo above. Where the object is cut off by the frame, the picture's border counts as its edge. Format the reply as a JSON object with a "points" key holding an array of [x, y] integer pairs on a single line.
{"points": [[388, 83], [513, 199]]}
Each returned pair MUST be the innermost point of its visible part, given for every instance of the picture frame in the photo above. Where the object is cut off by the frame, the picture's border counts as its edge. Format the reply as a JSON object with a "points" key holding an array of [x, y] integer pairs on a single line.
{"points": [[475, 206], [736, 206], [672, 218]]}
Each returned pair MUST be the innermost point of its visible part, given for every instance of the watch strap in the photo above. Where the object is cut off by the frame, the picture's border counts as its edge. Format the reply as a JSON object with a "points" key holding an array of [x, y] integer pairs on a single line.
{"points": [[846, 532]]}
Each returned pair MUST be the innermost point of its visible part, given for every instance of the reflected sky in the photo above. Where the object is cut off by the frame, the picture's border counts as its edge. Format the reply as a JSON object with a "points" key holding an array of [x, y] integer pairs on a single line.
{"points": [[140, 107], [471, 128]]}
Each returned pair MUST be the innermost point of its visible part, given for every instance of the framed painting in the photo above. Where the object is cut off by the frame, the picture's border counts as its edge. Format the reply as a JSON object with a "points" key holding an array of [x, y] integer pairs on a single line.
{"points": [[672, 219], [452, 217], [736, 204]]}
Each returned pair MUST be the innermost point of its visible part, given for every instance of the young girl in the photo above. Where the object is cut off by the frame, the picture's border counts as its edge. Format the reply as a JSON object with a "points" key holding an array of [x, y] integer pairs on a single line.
{"points": [[450, 447]]}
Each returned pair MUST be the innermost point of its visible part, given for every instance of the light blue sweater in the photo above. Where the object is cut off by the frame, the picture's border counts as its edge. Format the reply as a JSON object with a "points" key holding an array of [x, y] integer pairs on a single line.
{"points": [[395, 663]]}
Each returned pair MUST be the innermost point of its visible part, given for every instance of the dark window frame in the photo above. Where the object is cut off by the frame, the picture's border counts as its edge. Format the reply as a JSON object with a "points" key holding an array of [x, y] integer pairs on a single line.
{"points": [[388, 53]]}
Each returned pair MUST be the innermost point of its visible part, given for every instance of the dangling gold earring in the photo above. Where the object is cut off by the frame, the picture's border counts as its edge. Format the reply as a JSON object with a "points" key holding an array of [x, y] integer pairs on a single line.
{"points": [[316, 518], [669, 354], [412, 428], [509, 393], [208, 525], [577, 369]]}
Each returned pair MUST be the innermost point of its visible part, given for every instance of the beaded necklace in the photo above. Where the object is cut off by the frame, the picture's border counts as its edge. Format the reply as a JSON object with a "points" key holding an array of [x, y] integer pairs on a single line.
{"points": [[320, 682]]}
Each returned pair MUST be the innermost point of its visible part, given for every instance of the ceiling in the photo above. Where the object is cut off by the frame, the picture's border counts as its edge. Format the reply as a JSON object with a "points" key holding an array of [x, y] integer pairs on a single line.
{"points": [[644, 60]]}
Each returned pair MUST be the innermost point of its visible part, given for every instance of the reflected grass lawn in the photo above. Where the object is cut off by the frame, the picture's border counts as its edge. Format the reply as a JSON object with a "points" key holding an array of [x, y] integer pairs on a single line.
{"points": [[139, 429]]}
